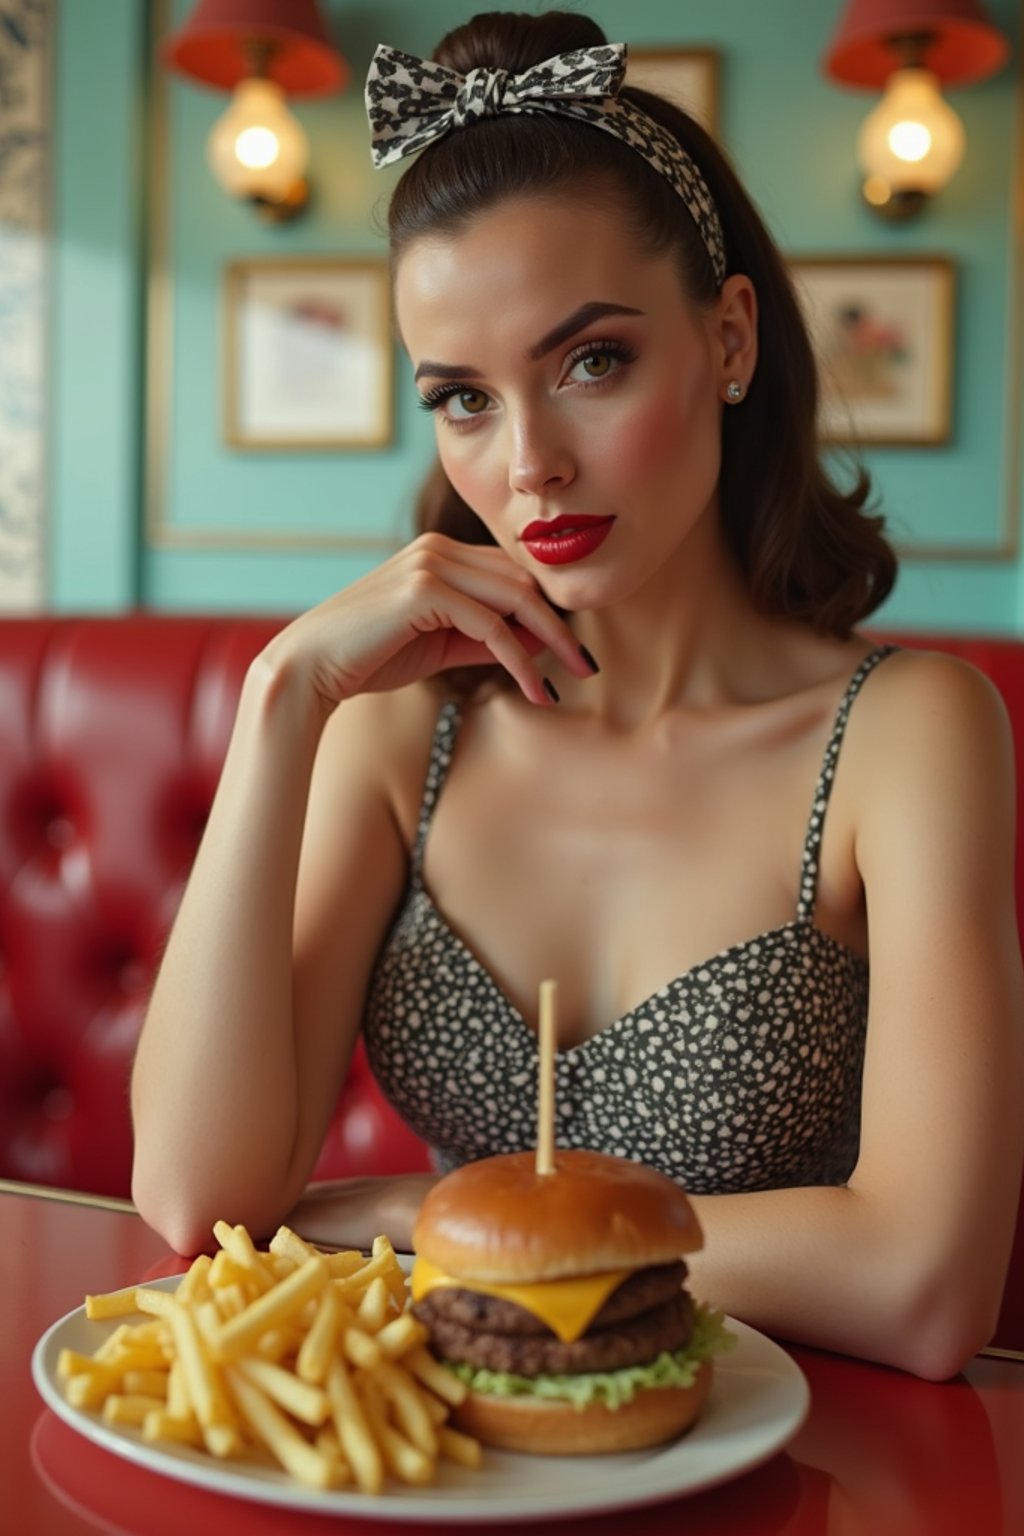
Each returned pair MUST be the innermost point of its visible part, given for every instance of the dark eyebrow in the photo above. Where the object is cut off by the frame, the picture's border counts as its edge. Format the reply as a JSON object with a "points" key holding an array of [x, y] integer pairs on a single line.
{"points": [[596, 309], [445, 371], [585, 315]]}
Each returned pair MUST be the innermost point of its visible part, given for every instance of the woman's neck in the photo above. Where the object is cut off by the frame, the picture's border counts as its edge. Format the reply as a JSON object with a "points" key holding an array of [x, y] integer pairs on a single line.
{"points": [[689, 636]]}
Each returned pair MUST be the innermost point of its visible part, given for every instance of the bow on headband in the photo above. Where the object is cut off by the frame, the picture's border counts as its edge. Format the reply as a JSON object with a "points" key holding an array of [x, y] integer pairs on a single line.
{"points": [[411, 102]]}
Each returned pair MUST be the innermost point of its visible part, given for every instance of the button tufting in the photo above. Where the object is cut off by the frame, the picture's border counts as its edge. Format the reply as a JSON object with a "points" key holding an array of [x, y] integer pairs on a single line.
{"points": [[131, 976], [57, 1103], [59, 832]]}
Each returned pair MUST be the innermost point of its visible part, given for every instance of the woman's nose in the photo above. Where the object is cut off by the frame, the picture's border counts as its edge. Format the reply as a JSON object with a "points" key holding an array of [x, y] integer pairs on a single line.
{"points": [[540, 458]]}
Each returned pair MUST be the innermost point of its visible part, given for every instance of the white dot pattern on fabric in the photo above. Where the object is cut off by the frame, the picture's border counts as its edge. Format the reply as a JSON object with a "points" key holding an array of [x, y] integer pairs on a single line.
{"points": [[742, 1074]]}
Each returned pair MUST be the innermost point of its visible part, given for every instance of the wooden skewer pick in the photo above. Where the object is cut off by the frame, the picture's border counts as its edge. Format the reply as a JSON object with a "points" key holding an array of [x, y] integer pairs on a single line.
{"points": [[546, 1082]]}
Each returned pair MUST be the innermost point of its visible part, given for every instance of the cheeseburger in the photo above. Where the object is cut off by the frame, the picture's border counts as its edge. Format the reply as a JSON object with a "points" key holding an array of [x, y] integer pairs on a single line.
{"points": [[560, 1300]]}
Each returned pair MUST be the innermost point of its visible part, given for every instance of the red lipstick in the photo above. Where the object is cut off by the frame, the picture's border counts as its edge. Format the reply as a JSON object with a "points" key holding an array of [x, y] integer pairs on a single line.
{"points": [[563, 540]]}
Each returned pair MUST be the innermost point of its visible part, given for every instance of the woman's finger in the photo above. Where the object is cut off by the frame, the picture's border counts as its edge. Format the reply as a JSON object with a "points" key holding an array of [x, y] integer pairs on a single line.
{"points": [[497, 582], [467, 620]]}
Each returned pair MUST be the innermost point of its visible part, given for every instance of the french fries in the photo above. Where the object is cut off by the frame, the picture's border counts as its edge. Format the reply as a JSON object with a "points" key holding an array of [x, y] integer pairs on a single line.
{"points": [[310, 1359]]}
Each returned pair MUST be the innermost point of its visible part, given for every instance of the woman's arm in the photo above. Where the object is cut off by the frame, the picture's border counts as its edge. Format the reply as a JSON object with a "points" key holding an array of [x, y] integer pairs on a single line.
{"points": [[259, 997], [350, 1213], [907, 1264], [242, 1053]]}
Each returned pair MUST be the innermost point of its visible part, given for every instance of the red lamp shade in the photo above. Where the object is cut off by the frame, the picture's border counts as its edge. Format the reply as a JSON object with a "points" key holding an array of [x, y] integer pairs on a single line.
{"points": [[965, 46], [215, 45]]}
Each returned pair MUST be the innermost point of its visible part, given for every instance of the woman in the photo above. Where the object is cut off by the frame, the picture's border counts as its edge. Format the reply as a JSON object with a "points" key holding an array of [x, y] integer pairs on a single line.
{"points": [[612, 680]]}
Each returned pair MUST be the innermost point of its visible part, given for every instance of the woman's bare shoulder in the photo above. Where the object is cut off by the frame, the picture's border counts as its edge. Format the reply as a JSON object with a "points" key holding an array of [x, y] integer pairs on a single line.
{"points": [[928, 718], [391, 718], [933, 690], [383, 740]]}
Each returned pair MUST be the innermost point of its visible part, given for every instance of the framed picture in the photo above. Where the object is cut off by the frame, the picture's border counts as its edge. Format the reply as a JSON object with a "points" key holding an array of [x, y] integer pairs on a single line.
{"points": [[308, 360], [686, 76], [882, 330]]}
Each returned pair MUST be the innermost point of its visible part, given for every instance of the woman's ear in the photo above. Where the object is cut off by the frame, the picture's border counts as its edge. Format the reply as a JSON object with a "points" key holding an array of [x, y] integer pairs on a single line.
{"points": [[735, 328]]}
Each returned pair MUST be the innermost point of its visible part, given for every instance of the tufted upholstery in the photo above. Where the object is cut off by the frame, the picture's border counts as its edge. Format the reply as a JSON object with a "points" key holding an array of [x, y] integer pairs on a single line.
{"points": [[112, 734]]}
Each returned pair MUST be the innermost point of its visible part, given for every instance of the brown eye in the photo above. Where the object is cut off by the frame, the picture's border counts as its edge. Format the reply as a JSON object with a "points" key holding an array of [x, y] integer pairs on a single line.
{"points": [[472, 401], [597, 365]]}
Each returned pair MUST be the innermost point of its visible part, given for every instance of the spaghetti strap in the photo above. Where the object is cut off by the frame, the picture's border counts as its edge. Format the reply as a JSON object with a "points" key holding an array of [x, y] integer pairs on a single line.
{"points": [[445, 732], [823, 789]]}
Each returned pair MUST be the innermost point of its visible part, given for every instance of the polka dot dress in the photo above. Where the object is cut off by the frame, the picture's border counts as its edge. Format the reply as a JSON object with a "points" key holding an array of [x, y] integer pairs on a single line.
{"points": [[742, 1074]]}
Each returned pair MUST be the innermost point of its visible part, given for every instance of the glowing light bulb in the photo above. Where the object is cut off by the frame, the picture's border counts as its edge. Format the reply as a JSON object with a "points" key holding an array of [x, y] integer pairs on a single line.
{"points": [[257, 148], [913, 140], [909, 141]]}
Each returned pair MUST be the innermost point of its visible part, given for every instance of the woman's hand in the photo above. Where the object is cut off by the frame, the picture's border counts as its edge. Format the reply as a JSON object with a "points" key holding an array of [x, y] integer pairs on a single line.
{"points": [[350, 1213], [436, 604]]}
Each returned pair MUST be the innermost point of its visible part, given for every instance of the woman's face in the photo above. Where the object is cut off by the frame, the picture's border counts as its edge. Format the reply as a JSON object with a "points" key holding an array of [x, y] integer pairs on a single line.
{"points": [[576, 391]]}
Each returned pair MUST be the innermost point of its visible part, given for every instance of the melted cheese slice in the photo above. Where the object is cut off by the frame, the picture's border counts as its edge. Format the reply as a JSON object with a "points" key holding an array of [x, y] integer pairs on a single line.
{"points": [[567, 1307]]}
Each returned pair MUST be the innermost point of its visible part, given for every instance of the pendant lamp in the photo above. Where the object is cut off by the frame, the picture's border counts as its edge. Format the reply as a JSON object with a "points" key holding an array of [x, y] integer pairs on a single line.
{"points": [[912, 142], [263, 52]]}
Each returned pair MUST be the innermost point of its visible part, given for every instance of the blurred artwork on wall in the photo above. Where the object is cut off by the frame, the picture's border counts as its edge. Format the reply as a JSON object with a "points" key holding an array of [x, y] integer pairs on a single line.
{"points": [[308, 354], [688, 77], [24, 295], [882, 329]]}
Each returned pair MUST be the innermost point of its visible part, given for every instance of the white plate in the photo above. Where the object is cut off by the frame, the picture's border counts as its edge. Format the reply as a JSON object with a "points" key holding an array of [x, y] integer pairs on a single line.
{"points": [[758, 1401]]}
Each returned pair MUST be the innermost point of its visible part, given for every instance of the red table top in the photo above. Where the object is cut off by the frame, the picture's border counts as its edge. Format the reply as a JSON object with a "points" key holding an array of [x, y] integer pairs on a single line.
{"points": [[881, 1454]]}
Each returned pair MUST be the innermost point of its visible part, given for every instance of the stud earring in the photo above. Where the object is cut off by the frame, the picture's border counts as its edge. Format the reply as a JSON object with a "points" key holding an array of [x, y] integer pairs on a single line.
{"points": [[734, 391]]}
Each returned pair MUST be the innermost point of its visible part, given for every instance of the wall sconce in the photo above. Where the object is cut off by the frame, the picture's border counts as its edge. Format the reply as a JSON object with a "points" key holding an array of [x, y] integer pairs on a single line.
{"points": [[911, 144], [263, 51]]}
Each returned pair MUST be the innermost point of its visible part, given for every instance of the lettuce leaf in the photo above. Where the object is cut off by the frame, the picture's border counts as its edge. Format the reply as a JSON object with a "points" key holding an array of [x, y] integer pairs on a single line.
{"points": [[612, 1388]]}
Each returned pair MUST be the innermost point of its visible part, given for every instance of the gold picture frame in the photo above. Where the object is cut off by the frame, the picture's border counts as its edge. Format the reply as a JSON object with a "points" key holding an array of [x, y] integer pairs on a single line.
{"points": [[883, 333], [308, 360], [686, 76]]}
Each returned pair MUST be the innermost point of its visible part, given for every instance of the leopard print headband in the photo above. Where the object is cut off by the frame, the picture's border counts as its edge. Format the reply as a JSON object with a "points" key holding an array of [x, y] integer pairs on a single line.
{"points": [[411, 102]]}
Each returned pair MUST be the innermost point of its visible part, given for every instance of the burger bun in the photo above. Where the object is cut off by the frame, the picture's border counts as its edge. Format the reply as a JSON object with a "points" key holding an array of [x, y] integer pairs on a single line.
{"points": [[555, 1427], [501, 1222]]}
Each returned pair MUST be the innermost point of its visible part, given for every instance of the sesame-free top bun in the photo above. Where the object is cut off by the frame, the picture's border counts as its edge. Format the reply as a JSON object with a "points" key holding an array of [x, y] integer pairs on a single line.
{"points": [[499, 1221], [555, 1427]]}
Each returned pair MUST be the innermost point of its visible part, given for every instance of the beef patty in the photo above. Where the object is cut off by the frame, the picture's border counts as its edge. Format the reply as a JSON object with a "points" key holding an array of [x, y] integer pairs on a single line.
{"points": [[629, 1336], [640, 1291]]}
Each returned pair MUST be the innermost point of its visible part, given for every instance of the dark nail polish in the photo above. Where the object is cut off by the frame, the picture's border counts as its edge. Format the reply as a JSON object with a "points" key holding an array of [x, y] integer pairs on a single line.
{"points": [[551, 691], [591, 663]]}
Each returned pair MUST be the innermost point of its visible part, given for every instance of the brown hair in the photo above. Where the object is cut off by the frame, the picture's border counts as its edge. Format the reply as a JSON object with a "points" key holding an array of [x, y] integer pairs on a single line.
{"points": [[808, 549]]}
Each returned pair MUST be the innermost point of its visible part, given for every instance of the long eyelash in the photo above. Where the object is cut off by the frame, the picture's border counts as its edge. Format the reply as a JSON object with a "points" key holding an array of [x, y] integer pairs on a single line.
{"points": [[620, 349], [436, 397]]}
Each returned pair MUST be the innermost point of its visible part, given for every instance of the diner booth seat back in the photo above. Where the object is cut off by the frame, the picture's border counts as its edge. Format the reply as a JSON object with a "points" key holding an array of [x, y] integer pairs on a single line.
{"points": [[112, 736]]}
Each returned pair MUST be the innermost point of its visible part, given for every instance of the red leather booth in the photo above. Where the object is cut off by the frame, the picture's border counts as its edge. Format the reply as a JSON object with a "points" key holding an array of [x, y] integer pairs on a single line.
{"points": [[112, 735]]}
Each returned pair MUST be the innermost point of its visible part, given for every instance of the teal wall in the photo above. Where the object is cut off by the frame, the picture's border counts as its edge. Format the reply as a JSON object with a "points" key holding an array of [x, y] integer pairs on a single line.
{"points": [[235, 530], [97, 334]]}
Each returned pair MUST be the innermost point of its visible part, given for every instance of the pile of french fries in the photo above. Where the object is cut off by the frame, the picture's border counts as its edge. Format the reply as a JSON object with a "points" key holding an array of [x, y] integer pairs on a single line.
{"points": [[293, 1356]]}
